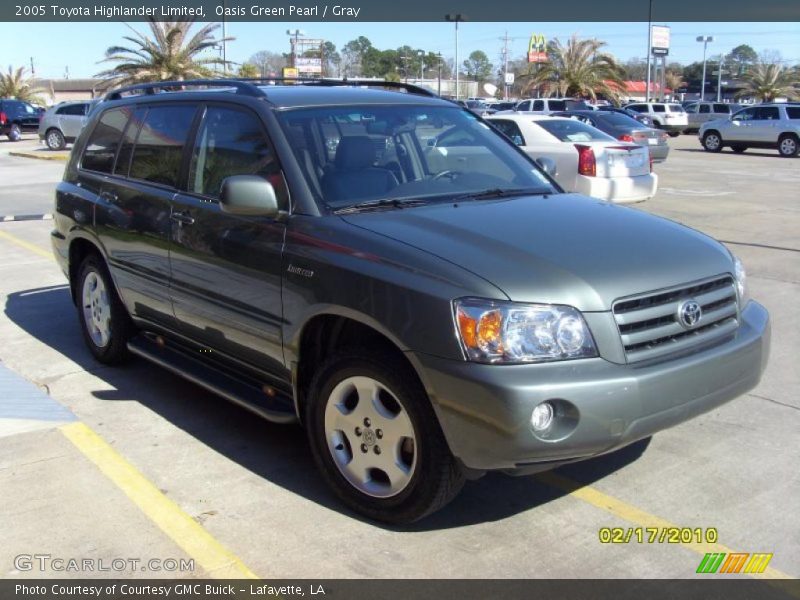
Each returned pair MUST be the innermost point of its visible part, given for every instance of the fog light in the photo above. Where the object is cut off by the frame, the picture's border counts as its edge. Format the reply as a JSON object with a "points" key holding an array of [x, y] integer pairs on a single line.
{"points": [[542, 416]]}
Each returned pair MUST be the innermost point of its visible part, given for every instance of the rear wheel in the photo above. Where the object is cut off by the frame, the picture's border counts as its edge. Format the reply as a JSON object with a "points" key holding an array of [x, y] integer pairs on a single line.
{"points": [[788, 145], [376, 439], [712, 142], [15, 133], [104, 321], [738, 149], [55, 140], [673, 133]]}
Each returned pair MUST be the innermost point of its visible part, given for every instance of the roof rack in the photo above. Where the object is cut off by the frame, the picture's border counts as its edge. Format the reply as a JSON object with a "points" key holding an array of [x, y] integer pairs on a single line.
{"points": [[241, 86], [326, 82]]}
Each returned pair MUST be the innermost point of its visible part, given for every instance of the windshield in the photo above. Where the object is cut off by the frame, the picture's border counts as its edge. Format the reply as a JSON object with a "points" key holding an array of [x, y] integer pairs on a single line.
{"points": [[355, 154], [572, 130]]}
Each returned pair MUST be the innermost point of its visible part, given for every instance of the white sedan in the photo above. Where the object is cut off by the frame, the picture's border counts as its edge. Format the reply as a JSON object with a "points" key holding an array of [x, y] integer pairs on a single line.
{"points": [[587, 160]]}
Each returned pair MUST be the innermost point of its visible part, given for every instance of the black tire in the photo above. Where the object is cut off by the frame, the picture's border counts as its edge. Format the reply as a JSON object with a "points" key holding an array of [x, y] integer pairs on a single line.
{"points": [[55, 139], [788, 145], [712, 141], [437, 477], [738, 149], [115, 350], [15, 133], [673, 133]]}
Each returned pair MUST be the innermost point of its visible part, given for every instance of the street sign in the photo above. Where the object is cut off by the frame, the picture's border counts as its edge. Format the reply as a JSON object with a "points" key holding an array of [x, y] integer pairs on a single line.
{"points": [[660, 34], [509, 79], [537, 49]]}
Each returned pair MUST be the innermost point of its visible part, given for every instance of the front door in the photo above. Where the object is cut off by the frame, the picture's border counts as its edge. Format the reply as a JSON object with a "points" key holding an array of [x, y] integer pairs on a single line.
{"points": [[226, 269]]}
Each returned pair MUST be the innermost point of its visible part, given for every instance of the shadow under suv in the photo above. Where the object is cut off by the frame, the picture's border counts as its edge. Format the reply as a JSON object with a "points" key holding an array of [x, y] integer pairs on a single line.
{"points": [[429, 312]]}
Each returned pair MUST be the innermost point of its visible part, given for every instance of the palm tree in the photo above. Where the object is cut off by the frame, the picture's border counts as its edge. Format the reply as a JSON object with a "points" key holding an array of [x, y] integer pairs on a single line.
{"points": [[578, 69], [170, 54], [767, 81], [15, 84], [673, 80]]}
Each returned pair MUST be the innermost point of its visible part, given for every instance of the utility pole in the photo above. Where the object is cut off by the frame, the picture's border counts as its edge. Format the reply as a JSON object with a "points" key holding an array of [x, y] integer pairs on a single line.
{"points": [[439, 56], [505, 65], [456, 18], [421, 54], [404, 60], [649, 49], [296, 33], [719, 78], [33, 69]]}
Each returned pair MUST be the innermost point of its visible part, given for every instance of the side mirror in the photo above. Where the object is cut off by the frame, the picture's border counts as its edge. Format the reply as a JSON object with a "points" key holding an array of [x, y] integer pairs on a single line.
{"points": [[248, 195], [548, 165]]}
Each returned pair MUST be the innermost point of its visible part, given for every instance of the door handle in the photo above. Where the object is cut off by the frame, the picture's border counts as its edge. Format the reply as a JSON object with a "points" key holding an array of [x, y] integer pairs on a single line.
{"points": [[182, 218]]}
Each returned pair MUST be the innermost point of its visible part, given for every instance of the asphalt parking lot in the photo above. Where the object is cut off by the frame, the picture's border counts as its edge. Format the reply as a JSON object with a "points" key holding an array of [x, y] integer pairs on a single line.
{"points": [[143, 465]]}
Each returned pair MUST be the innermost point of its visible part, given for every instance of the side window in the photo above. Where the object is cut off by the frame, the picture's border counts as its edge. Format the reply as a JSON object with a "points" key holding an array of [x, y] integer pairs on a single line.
{"points": [[159, 147], [102, 145], [233, 142], [62, 111], [722, 108], [744, 115], [128, 140], [793, 112], [767, 113], [658, 108], [538, 105], [511, 130], [638, 108], [691, 109], [705, 109]]}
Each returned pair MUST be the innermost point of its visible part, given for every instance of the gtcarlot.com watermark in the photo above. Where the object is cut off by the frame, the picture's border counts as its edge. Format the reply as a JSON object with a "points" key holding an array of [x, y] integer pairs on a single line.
{"points": [[49, 563]]}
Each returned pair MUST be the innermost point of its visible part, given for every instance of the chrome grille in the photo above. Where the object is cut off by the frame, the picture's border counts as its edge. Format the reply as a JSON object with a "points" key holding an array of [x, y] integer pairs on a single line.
{"points": [[650, 328]]}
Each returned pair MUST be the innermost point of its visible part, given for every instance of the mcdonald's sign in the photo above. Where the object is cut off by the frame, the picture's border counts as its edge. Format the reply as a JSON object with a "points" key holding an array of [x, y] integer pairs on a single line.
{"points": [[537, 49], [734, 562]]}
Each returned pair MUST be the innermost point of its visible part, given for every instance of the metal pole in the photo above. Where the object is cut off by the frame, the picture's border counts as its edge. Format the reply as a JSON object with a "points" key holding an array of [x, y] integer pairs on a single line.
{"points": [[457, 89], [505, 67], [439, 54], [719, 81], [703, 83], [649, 49]]}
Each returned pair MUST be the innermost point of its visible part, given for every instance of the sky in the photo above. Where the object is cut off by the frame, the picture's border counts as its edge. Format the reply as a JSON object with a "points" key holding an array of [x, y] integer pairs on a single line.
{"points": [[56, 47]]}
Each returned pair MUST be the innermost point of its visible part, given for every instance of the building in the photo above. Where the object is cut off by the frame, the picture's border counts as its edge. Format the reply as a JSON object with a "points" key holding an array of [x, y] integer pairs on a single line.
{"points": [[59, 90]]}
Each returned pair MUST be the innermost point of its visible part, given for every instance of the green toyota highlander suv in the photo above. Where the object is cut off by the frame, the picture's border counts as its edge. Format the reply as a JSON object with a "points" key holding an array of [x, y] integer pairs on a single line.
{"points": [[389, 270]]}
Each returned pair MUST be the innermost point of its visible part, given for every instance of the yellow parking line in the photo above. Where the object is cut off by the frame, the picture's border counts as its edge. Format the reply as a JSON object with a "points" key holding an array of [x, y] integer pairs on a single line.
{"points": [[623, 510], [27, 245], [213, 557]]}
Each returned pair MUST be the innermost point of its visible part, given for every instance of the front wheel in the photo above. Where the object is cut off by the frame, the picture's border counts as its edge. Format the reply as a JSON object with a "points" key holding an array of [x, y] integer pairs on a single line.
{"points": [[104, 321], [55, 140], [788, 146], [377, 441], [712, 142]]}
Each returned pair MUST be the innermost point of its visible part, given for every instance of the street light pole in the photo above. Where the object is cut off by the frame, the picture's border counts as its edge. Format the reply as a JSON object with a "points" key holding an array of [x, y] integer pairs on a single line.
{"points": [[719, 78], [421, 55], [456, 18], [705, 39], [649, 49]]}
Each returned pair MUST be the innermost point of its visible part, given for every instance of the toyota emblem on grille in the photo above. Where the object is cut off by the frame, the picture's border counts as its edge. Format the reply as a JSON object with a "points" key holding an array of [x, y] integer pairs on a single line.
{"points": [[690, 313]]}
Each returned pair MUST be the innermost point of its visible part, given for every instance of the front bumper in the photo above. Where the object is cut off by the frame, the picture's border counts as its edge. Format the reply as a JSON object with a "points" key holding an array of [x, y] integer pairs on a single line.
{"points": [[485, 410], [618, 189]]}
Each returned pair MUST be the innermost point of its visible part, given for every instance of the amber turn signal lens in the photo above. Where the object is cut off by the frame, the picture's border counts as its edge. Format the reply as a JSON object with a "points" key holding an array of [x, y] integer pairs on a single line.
{"points": [[468, 329]]}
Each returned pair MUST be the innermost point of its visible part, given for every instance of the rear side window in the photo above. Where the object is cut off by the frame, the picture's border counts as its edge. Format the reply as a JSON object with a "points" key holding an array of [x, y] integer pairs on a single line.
{"points": [[793, 112], [73, 109], [159, 147], [659, 108], [232, 142], [640, 108], [722, 108], [538, 105], [572, 130], [102, 145], [128, 140], [676, 108], [511, 130], [705, 108], [557, 105]]}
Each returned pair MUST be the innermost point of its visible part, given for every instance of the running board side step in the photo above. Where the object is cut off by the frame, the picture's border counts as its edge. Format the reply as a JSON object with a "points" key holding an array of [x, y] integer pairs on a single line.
{"points": [[272, 405]]}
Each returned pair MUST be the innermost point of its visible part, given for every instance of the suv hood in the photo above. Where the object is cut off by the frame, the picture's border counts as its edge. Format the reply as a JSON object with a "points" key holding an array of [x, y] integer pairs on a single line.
{"points": [[561, 249]]}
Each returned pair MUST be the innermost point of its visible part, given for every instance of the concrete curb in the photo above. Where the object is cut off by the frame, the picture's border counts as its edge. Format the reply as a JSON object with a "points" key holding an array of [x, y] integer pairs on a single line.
{"points": [[24, 154], [44, 217]]}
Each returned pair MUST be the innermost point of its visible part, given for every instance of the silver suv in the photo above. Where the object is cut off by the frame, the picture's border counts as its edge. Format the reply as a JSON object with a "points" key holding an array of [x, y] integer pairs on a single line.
{"points": [[62, 123], [775, 125], [668, 116], [701, 112]]}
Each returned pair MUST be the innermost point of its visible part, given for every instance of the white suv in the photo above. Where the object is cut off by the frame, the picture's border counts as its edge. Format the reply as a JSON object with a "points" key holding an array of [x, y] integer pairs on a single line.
{"points": [[666, 115], [775, 125]]}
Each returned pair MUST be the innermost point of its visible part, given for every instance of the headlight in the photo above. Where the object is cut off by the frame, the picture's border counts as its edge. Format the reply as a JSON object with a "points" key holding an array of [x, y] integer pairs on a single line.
{"points": [[741, 281], [509, 332]]}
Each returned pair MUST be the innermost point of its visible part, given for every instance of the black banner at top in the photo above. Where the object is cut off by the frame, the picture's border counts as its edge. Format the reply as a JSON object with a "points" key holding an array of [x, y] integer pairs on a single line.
{"points": [[408, 10]]}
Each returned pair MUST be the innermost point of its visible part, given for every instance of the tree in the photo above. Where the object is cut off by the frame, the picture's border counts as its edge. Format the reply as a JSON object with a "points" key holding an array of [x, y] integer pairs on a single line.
{"points": [[353, 54], [15, 84], [766, 82], [673, 79], [740, 59], [170, 54], [635, 69], [331, 60], [478, 66], [249, 70], [268, 63], [579, 68]]}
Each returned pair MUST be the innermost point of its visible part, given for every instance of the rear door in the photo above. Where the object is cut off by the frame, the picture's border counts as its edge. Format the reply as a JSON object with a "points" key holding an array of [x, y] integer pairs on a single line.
{"points": [[766, 125], [71, 118], [226, 269]]}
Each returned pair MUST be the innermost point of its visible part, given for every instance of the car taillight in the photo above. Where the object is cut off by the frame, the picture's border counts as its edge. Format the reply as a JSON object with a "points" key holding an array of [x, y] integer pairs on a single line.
{"points": [[587, 165], [3, 118], [625, 138], [663, 136]]}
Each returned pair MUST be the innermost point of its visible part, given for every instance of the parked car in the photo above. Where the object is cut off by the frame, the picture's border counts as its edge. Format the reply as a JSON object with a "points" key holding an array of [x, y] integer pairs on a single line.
{"points": [[17, 117], [700, 112], [502, 105], [774, 125], [62, 123], [642, 118], [477, 107], [428, 311], [668, 116], [548, 105], [587, 160], [625, 129]]}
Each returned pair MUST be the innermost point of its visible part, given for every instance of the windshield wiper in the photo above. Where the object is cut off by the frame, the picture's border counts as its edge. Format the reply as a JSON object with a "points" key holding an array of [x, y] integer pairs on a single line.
{"points": [[378, 204], [493, 193]]}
